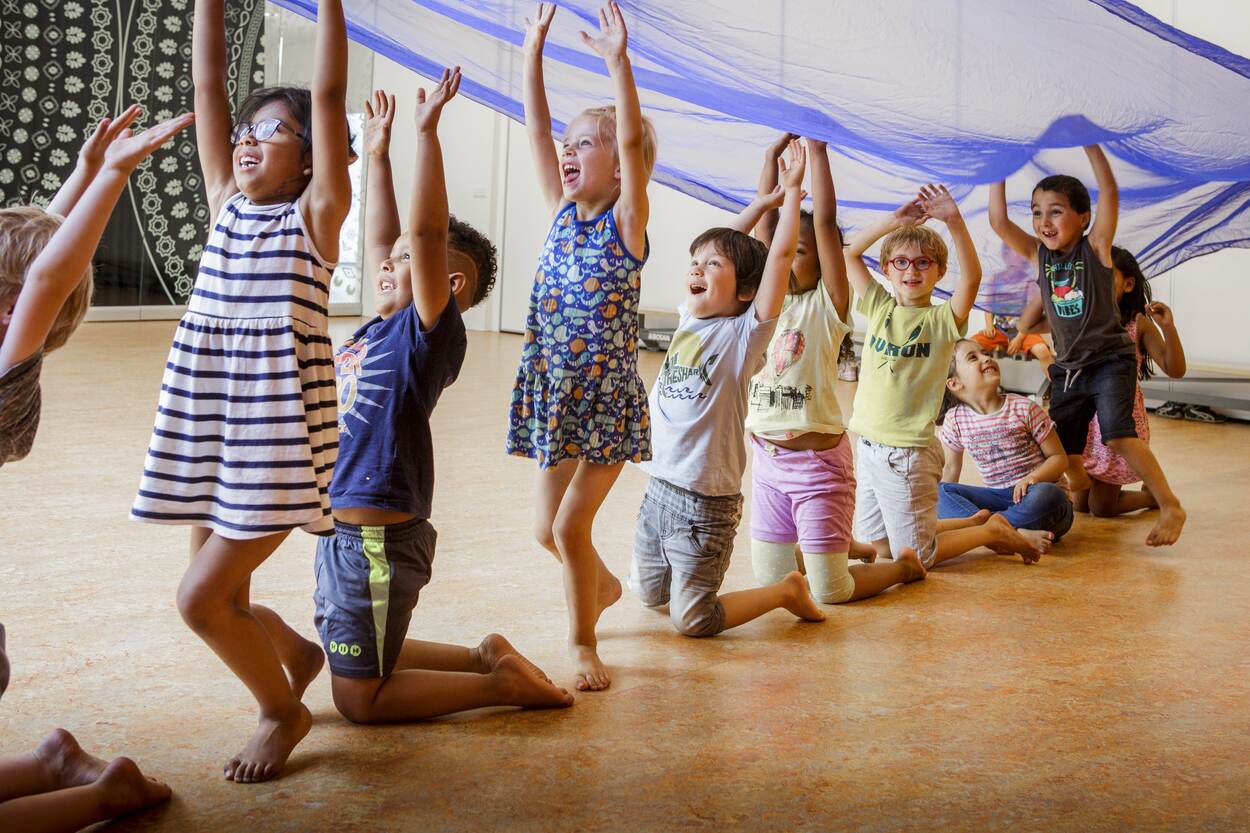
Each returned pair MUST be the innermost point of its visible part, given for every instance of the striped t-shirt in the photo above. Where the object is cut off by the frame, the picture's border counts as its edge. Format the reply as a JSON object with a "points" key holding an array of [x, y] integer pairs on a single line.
{"points": [[1006, 445]]}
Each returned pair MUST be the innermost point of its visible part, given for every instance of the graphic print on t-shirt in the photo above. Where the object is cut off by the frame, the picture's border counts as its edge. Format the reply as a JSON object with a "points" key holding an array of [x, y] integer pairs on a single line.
{"points": [[889, 353], [352, 365], [785, 351], [1067, 299], [686, 373]]}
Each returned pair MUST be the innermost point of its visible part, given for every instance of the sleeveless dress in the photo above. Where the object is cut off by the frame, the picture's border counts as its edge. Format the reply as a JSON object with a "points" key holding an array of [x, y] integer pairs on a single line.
{"points": [[246, 427], [577, 393], [1101, 463]]}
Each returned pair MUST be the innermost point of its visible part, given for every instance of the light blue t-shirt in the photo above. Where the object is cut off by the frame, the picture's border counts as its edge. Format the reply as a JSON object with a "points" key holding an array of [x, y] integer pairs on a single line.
{"points": [[699, 402]]}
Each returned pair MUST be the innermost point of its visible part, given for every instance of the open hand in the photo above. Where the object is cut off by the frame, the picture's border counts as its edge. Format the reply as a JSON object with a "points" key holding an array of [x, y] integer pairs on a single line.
{"points": [[791, 171], [91, 154], [613, 36], [429, 109], [536, 29], [910, 214], [938, 203], [127, 149], [1161, 314], [779, 146], [772, 200], [1021, 489], [379, 116]]}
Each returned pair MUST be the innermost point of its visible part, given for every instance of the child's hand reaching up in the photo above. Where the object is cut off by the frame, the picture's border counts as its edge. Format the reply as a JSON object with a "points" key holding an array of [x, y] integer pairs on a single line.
{"points": [[778, 147], [429, 109], [938, 203], [791, 173], [128, 149], [613, 37], [91, 155], [379, 116], [910, 214], [536, 29]]}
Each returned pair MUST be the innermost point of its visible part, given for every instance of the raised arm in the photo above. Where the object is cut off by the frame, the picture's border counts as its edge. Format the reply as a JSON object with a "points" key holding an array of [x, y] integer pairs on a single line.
{"points": [[90, 160], [1020, 241], [382, 226], [828, 240], [56, 272], [763, 204], [1161, 339], [776, 278], [768, 184], [1102, 233], [537, 113], [632, 209], [428, 226], [213, 119], [908, 214], [938, 203], [328, 197]]}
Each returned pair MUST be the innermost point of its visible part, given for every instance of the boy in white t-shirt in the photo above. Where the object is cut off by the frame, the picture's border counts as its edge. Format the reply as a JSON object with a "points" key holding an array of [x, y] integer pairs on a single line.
{"points": [[692, 506]]}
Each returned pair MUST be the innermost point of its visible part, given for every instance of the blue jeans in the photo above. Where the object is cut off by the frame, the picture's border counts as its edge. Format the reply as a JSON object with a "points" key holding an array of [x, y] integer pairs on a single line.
{"points": [[1045, 507]]}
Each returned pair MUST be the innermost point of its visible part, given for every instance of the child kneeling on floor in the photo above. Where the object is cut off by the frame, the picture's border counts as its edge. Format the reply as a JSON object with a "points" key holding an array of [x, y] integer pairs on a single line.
{"points": [[1014, 444], [690, 512], [391, 373]]}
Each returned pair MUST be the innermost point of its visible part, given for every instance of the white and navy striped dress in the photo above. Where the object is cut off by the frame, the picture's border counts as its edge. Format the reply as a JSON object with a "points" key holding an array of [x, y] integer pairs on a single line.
{"points": [[246, 427]]}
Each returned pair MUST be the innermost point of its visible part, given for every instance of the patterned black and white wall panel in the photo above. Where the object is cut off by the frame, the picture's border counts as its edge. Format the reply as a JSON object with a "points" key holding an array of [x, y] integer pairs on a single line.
{"points": [[64, 65]]}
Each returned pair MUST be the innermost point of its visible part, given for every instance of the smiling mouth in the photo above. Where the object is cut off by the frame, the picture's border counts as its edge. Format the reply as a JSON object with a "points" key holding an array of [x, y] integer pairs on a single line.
{"points": [[386, 285], [571, 173], [696, 287], [248, 162]]}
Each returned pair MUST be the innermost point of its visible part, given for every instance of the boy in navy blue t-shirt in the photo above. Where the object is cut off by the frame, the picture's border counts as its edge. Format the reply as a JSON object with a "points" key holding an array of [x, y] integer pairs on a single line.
{"points": [[391, 373]]}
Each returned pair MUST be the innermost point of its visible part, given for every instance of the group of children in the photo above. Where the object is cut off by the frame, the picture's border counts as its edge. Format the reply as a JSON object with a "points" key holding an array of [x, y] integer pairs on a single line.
{"points": [[263, 426]]}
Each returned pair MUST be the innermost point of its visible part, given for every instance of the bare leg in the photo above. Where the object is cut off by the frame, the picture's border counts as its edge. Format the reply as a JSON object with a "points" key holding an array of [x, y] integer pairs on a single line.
{"points": [[1044, 357], [436, 656], [584, 571], [871, 579], [1080, 500], [1171, 515], [213, 601], [791, 593], [301, 658], [861, 551], [121, 788], [976, 519], [997, 534], [1107, 500], [553, 484]]}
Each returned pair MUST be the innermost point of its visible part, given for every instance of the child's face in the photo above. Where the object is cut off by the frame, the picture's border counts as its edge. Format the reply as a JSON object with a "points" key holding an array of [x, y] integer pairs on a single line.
{"points": [[1055, 222], [393, 283], [912, 274], [806, 266], [712, 285], [275, 167], [976, 372], [589, 171]]}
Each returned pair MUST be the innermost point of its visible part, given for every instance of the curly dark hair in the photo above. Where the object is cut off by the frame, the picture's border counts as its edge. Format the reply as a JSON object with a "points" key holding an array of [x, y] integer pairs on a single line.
{"points": [[477, 247], [747, 254]]}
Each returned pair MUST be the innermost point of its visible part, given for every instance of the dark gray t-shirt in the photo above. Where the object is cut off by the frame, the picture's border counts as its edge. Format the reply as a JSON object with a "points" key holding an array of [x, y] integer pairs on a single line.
{"points": [[1078, 294], [20, 404]]}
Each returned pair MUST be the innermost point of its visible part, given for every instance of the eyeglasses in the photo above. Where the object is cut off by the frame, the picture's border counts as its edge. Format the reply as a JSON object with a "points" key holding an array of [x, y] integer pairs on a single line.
{"points": [[902, 263], [262, 130]]}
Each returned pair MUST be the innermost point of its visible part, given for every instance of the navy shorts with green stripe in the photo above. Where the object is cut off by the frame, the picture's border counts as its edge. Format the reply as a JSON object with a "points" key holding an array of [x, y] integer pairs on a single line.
{"points": [[368, 581]]}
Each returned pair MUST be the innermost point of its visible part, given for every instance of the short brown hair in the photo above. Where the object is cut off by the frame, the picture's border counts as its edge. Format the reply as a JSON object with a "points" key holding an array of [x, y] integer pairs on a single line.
{"points": [[930, 242], [24, 233], [605, 118], [747, 254]]}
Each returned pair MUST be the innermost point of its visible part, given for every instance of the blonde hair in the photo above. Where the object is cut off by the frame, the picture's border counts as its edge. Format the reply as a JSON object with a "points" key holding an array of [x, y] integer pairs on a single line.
{"points": [[605, 120], [24, 233], [930, 242]]}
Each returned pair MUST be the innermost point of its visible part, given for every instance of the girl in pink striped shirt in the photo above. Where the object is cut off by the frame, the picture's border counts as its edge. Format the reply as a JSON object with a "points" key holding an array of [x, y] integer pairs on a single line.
{"points": [[1014, 445]]}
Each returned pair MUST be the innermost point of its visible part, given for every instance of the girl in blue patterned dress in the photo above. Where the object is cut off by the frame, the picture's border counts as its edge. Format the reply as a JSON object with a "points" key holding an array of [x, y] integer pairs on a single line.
{"points": [[246, 428], [579, 407]]}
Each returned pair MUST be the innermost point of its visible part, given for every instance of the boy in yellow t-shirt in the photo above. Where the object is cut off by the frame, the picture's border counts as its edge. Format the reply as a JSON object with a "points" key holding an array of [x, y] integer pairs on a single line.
{"points": [[907, 352]]}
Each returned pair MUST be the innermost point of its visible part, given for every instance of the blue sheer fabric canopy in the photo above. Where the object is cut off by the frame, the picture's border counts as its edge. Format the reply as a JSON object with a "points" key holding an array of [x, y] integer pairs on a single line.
{"points": [[963, 92]]}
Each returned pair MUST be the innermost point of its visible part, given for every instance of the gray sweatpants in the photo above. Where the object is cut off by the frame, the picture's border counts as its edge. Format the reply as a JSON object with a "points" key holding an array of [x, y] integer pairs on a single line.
{"points": [[682, 546]]}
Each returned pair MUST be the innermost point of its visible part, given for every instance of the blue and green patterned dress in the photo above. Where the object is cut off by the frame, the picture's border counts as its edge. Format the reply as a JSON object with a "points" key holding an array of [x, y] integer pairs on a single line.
{"points": [[577, 393]]}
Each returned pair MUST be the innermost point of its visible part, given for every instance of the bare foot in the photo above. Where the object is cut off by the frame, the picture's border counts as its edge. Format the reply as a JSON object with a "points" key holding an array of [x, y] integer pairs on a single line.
{"points": [[1168, 528], [124, 789], [609, 592], [68, 765], [522, 687], [268, 748], [491, 650], [305, 667], [860, 551], [1039, 538], [915, 567], [1008, 540], [591, 673], [798, 598]]}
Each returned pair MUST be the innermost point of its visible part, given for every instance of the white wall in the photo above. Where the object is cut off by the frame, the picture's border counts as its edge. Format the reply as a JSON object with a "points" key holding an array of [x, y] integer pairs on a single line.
{"points": [[491, 184]]}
